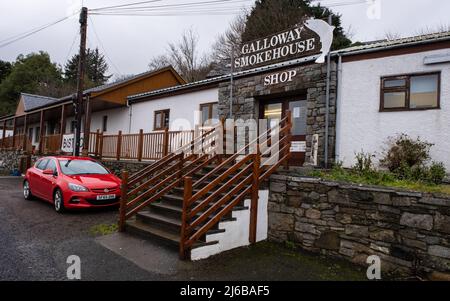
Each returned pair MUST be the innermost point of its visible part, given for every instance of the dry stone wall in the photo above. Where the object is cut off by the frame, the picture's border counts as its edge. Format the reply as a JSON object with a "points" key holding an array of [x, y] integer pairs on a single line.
{"points": [[410, 231]]}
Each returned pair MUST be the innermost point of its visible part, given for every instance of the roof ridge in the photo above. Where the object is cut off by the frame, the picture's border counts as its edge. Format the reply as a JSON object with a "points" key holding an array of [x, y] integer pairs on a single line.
{"points": [[37, 95]]}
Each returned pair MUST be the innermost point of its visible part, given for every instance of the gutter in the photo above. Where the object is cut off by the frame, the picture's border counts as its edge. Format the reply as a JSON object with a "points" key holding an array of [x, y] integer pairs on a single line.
{"points": [[338, 108]]}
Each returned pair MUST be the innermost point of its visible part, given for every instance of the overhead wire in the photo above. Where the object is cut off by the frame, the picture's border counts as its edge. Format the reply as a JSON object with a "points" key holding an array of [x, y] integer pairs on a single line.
{"points": [[102, 46], [31, 32]]}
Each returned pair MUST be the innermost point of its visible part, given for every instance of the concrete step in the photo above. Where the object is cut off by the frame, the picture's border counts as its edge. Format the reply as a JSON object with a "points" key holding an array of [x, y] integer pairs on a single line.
{"points": [[148, 231]]}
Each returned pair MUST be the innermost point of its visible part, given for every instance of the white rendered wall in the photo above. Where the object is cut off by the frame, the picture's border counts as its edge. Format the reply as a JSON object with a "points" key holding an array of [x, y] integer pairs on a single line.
{"points": [[363, 127], [237, 232], [182, 111], [182, 107]]}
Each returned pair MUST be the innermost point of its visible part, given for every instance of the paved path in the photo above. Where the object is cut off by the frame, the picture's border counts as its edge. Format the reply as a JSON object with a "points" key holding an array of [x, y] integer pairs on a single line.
{"points": [[35, 242]]}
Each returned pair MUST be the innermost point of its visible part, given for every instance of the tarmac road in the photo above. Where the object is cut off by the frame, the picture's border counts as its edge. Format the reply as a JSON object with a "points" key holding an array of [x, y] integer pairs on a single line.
{"points": [[35, 243]]}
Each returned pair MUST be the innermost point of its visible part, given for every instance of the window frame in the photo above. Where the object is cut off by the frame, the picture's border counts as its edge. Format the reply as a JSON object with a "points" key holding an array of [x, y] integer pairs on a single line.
{"points": [[210, 106], [164, 113], [105, 123], [407, 90]]}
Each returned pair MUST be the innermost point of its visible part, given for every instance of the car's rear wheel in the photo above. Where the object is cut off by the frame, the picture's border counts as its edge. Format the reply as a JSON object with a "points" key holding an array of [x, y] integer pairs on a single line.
{"points": [[27, 191], [58, 201]]}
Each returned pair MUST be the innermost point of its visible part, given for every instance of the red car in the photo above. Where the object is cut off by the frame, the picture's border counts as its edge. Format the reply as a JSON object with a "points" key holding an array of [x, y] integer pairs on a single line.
{"points": [[72, 183]]}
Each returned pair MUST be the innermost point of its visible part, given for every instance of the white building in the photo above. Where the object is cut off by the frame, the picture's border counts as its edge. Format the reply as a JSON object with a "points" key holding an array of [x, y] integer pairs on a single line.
{"points": [[390, 88]]}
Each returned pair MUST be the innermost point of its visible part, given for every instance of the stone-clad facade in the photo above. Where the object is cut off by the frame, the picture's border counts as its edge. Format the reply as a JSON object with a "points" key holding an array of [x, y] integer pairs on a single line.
{"points": [[409, 231], [309, 83]]}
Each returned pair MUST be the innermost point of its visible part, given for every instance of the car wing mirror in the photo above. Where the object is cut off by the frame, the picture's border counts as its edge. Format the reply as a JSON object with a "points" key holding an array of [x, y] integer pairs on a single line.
{"points": [[48, 172]]}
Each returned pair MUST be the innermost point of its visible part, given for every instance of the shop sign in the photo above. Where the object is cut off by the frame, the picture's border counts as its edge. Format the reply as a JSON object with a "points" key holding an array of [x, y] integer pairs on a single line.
{"points": [[308, 38]]}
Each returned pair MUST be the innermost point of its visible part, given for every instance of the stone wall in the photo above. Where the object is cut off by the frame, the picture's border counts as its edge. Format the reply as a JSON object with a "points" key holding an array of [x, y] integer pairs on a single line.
{"points": [[310, 82], [131, 166], [409, 231]]}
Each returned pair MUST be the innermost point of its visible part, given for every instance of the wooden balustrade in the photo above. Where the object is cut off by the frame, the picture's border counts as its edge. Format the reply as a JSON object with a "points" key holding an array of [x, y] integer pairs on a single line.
{"points": [[234, 180]]}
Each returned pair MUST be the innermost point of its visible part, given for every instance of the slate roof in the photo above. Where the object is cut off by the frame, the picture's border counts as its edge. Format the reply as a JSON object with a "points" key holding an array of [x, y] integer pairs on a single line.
{"points": [[386, 44], [31, 101]]}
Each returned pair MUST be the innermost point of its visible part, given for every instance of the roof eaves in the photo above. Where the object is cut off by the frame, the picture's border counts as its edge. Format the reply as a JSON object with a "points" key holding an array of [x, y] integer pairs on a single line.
{"points": [[222, 78]]}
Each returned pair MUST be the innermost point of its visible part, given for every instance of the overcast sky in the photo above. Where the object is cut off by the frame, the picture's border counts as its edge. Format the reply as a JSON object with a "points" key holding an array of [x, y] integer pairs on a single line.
{"points": [[130, 42]]}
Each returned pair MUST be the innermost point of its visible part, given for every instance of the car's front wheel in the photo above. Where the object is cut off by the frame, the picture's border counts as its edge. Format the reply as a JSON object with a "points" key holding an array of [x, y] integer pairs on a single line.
{"points": [[58, 201], [27, 191]]}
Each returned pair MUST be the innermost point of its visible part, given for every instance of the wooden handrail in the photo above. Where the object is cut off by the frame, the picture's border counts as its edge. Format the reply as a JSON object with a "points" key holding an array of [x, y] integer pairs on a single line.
{"points": [[219, 203], [195, 226], [235, 156], [219, 179]]}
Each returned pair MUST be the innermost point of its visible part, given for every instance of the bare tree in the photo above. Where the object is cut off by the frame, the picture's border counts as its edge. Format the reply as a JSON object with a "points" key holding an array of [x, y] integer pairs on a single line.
{"points": [[185, 57], [390, 35], [230, 40], [436, 29]]}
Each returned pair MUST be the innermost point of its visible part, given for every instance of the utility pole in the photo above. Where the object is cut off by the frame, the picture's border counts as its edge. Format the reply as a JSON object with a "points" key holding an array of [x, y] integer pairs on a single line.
{"points": [[78, 102]]}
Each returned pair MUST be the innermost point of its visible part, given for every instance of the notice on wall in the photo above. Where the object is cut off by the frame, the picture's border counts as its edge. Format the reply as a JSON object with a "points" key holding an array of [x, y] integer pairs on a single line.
{"points": [[298, 147], [296, 112], [68, 143]]}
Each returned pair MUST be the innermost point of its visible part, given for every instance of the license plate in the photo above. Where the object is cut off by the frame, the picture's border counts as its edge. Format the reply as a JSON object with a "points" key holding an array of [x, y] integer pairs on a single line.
{"points": [[106, 197]]}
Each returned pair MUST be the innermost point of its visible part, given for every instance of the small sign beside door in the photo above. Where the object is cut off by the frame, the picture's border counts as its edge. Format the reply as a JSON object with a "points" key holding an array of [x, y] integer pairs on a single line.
{"points": [[298, 147]]}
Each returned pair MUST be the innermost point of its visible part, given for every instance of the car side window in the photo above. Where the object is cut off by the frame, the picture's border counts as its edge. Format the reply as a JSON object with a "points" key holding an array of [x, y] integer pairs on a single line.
{"points": [[42, 164], [51, 165]]}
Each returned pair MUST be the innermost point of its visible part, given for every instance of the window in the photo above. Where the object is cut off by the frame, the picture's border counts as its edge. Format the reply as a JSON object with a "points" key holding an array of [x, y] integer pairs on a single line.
{"points": [[161, 120], [73, 126], [51, 165], [105, 124], [30, 134], [42, 164], [81, 167], [37, 134], [410, 92], [210, 111]]}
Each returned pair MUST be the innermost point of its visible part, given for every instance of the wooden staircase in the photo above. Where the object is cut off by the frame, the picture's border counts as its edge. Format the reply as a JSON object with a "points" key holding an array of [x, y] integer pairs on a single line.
{"points": [[185, 199]]}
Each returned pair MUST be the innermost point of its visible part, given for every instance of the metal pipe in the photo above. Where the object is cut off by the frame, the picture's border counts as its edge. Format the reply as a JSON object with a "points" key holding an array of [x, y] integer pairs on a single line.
{"points": [[338, 108], [231, 83], [130, 115], [327, 101]]}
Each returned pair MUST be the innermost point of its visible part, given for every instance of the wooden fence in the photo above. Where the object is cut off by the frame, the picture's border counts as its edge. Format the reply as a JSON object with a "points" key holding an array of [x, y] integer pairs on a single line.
{"points": [[140, 146]]}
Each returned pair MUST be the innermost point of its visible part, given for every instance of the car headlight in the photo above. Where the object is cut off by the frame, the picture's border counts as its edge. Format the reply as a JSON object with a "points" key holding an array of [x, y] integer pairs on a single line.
{"points": [[77, 188]]}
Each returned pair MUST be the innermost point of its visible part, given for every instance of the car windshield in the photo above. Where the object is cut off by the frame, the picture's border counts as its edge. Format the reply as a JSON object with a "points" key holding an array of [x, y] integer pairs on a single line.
{"points": [[81, 167]]}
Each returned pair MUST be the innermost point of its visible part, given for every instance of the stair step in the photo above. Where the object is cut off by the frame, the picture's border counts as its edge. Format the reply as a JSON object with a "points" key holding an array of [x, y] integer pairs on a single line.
{"points": [[174, 208], [175, 203], [169, 223], [162, 221], [167, 238]]}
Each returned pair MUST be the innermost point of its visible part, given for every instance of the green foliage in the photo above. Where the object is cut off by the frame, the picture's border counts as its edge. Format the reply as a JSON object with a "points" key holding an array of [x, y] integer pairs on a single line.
{"points": [[270, 16], [104, 229], [408, 159], [404, 152], [418, 178], [437, 173], [95, 69], [28, 74], [5, 69], [364, 162]]}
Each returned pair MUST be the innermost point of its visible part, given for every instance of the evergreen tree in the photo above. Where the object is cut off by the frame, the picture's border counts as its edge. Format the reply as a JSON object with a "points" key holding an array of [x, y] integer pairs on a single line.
{"points": [[5, 69], [95, 69], [270, 16]]}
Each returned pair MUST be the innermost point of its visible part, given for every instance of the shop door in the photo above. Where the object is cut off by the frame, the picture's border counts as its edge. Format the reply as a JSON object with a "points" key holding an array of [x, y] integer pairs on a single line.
{"points": [[275, 110]]}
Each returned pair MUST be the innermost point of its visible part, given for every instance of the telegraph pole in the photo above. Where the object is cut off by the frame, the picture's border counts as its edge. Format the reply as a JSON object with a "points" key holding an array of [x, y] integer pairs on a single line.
{"points": [[78, 102]]}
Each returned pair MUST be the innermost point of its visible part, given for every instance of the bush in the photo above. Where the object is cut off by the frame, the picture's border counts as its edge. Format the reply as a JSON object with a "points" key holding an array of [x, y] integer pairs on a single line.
{"points": [[405, 153], [364, 162], [437, 173]]}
